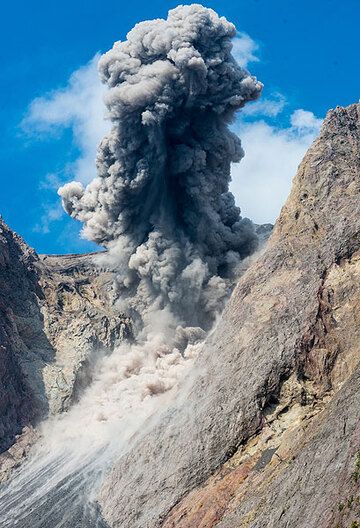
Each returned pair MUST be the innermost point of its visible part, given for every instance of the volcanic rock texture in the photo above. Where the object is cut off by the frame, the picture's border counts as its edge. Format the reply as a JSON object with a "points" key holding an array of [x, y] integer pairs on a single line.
{"points": [[55, 312], [267, 434]]}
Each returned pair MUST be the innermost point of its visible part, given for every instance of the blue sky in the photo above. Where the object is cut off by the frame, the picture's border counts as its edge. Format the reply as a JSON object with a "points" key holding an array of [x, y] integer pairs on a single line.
{"points": [[305, 53]]}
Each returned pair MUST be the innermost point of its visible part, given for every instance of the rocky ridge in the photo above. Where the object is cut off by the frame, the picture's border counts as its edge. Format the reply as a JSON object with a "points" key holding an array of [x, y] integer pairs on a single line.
{"points": [[269, 436]]}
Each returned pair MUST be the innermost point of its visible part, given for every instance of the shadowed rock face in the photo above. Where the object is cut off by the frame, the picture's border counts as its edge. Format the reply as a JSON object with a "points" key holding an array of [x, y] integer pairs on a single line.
{"points": [[268, 435], [19, 323], [55, 313]]}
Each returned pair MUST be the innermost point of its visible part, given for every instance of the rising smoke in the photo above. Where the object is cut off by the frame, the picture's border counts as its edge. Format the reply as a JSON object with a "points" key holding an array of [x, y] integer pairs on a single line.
{"points": [[161, 206], [161, 202]]}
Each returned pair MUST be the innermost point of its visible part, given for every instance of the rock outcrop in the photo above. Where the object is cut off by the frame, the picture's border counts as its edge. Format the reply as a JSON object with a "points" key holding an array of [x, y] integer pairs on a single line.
{"points": [[79, 318], [55, 312], [269, 435]]}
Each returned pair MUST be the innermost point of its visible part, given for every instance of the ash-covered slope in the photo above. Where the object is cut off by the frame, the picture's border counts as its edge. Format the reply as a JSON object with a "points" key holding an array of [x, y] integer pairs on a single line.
{"points": [[268, 432], [55, 311]]}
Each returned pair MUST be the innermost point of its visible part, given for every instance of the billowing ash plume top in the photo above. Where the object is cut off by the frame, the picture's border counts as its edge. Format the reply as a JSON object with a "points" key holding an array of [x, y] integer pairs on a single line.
{"points": [[160, 202]]}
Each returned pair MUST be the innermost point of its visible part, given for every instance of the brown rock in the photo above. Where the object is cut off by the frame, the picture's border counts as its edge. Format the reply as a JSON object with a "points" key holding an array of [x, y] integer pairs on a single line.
{"points": [[55, 313], [275, 377]]}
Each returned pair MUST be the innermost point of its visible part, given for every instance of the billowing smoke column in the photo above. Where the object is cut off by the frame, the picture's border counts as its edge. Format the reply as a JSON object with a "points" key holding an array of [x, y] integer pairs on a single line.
{"points": [[161, 205], [160, 202]]}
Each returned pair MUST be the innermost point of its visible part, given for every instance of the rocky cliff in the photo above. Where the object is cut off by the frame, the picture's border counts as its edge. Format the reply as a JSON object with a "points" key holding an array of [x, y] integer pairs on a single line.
{"points": [[269, 435], [55, 312]]}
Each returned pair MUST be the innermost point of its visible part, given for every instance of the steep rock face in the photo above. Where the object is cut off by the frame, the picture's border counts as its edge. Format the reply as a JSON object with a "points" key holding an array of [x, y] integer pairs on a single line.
{"points": [[55, 313], [79, 318], [269, 434], [19, 322]]}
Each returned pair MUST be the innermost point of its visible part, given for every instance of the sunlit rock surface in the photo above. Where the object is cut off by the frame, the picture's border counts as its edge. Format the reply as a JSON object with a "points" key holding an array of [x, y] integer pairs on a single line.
{"points": [[268, 433], [55, 312]]}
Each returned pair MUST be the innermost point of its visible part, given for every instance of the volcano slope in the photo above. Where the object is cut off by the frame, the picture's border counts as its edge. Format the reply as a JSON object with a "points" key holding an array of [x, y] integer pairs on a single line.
{"points": [[267, 434]]}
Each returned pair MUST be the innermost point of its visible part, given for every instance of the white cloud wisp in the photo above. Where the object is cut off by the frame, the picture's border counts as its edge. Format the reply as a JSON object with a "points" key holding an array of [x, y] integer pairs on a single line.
{"points": [[79, 107], [244, 49], [262, 181]]}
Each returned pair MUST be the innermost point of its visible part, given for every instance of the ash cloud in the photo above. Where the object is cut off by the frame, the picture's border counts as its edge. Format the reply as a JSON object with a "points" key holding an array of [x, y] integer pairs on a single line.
{"points": [[161, 202], [161, 205]]}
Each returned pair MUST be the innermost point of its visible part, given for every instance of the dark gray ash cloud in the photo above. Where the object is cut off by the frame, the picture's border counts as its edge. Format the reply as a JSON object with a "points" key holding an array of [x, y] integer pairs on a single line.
{"points": [[160, 202], [161, 205]]}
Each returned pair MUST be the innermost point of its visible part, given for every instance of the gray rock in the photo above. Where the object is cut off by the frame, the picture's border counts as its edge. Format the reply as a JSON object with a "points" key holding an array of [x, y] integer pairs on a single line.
{"points": [[56, 314], [279, 328]]}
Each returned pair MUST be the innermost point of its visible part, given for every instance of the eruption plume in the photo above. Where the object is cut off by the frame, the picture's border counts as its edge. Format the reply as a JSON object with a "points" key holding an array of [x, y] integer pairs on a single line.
{"points": [[161, 203], [161, 206]]}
